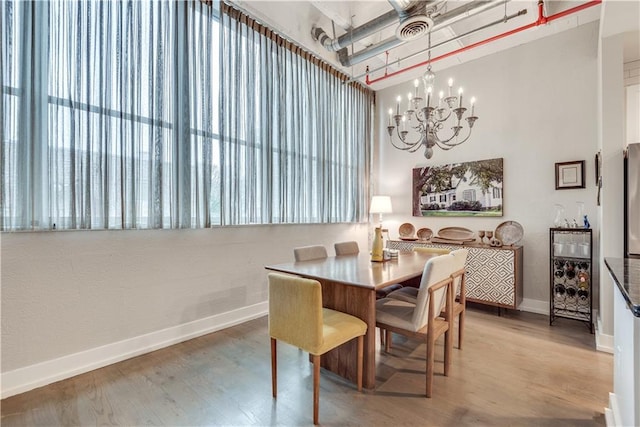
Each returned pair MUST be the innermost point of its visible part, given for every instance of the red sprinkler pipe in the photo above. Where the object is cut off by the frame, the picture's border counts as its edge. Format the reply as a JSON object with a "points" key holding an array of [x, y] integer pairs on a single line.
{"points": [[540, 21]]}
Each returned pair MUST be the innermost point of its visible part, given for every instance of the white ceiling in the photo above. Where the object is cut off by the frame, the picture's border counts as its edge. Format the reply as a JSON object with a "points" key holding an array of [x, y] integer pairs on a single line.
{"points": [[295, 19]]}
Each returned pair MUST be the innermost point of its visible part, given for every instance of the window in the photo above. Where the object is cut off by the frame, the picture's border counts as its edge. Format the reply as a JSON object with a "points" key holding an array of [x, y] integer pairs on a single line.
{"points": [[123, 130], [497, 193], [294, 138], [469, 195]]}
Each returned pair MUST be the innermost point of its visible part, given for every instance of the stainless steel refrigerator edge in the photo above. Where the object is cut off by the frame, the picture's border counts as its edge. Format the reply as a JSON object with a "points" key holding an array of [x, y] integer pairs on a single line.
{"points": [[632, 201]]}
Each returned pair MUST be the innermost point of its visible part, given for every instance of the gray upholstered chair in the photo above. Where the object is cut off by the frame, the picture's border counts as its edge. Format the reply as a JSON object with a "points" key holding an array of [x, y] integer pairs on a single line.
{"points": [[351, 248], [308, 253], [422, 320], [346, 248]]}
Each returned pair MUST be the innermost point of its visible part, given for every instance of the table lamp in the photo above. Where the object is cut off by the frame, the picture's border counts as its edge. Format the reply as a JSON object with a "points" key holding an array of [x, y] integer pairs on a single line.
{"points": [[380, 205]]}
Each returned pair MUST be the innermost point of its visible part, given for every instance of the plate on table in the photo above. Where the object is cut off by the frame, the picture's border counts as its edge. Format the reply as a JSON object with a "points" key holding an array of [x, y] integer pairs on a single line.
{"points": [[509, 232], [409, 239], [424, 233], [456, 233], [406, 231]]}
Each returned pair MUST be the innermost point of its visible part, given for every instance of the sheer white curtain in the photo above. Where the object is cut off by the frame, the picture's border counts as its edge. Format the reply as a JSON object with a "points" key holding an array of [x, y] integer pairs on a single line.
{"points": [[110, 119], [295, 140], [109, 114]]}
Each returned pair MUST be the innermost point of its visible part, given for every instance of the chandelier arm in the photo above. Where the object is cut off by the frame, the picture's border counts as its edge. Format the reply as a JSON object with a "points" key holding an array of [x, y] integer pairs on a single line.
{"points": [[447, 145], [407, 146], [417, 147], [418, 142], [444, 119]]}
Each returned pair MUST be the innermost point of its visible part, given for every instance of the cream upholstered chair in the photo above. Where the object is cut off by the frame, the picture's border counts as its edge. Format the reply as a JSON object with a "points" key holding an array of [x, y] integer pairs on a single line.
{"points": [[409, 293], [459, 304], [308, 253], [296, 316], [422, 320]]}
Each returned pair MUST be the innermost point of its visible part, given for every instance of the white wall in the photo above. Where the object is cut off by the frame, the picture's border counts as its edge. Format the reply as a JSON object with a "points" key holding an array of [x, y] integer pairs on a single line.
{"points": [[537, 106], [617, 19], [77, 300]]}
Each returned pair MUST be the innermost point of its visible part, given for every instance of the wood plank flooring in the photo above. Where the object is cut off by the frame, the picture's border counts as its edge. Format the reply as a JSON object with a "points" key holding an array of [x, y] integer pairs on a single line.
{"points": [[514, 370]]}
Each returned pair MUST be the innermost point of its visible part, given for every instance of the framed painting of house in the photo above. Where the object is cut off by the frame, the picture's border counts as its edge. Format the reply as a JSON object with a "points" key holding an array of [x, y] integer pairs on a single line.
{"points": [[459, 189]]}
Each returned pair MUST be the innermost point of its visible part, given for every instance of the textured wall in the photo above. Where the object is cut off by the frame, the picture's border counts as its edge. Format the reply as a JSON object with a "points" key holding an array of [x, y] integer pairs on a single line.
{"points": [[537, 105], [68, 291]]}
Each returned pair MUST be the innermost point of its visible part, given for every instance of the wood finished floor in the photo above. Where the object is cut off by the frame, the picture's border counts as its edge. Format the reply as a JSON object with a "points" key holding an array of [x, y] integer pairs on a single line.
{"points": [[514, 370]]}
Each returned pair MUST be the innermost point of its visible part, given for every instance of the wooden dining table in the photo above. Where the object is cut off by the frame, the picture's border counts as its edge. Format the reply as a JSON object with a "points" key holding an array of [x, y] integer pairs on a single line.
{"points": [[348, 284]]}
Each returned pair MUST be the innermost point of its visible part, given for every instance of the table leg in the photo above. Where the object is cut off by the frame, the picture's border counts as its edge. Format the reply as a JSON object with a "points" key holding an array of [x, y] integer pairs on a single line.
{"points": [[359, 302]]}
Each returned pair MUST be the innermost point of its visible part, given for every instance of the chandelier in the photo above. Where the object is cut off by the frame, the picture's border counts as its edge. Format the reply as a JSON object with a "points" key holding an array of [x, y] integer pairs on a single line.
{"points": [[430, 125]]}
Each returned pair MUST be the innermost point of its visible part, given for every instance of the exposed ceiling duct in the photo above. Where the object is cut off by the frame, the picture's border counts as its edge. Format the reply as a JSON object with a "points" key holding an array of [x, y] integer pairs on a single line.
{"points": [[415, 18], [402, 12]]}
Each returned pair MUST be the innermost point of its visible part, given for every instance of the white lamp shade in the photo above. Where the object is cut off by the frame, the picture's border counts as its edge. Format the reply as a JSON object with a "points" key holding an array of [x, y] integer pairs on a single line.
{"points": [[380, 204]]}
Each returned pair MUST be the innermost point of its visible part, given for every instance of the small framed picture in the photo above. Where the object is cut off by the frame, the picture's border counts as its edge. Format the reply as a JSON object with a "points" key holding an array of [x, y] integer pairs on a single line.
{"points": [[570, 175]]}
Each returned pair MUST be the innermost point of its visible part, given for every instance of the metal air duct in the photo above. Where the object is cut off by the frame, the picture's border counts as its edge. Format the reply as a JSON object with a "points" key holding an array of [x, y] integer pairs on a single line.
{"points": [[401, 11], [438, 22]]}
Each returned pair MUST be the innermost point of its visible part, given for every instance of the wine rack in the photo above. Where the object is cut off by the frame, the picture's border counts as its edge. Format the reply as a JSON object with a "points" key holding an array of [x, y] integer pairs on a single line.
{"points": [[571, 271]]}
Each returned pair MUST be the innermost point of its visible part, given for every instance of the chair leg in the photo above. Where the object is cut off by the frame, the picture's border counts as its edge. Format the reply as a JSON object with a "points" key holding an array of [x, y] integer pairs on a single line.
{"points": [[387, 340], [460, 328], [430, 355], [274, 368], [360, 360], [448, 347], [316, 387]]}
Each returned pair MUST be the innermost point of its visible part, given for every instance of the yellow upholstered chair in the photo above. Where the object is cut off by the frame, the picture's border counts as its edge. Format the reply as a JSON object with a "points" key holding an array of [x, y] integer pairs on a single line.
{"points": [[409, 293], [422, 320], [346, 248], [296, 316], [308, 253]]}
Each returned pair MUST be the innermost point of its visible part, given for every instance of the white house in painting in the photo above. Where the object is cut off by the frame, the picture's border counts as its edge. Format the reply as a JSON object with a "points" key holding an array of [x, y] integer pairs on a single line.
{"points": [[462, 190]]}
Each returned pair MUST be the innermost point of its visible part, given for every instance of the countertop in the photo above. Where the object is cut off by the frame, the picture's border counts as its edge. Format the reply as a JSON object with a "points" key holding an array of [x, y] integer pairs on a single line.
{"points": [[626, 273]]}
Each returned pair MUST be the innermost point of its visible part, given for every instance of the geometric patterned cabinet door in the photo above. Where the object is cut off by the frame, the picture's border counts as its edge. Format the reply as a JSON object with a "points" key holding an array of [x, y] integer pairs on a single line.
{"points": [[494, 275]]}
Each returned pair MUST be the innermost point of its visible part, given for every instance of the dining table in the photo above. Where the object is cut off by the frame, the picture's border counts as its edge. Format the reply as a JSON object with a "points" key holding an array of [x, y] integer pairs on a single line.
{"points": [[349, 284]]}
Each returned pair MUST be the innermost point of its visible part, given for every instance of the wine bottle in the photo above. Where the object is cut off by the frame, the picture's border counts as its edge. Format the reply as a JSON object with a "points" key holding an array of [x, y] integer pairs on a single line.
{"points": [[583, 294]]}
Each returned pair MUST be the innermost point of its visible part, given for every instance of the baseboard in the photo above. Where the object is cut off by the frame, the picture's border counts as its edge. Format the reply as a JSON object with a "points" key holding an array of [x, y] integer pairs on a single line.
{"points": [[604, 342], [612, 413], [38, 375], [534, 306]]}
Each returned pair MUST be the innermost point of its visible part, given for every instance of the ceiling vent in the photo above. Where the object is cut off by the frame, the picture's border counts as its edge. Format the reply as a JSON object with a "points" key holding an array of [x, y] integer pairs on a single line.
{"points": [[414, 27]]}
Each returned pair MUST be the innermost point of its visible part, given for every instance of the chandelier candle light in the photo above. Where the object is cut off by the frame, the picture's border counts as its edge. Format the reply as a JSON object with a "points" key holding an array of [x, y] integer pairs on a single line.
{"points": [[429, 120]]}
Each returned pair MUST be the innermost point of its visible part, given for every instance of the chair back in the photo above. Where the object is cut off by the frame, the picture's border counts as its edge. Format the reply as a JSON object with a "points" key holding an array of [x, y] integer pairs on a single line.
{"points": [[307, 253], [295, 311], [438, 251], [436, 270], [459, 261], [346, 248]]}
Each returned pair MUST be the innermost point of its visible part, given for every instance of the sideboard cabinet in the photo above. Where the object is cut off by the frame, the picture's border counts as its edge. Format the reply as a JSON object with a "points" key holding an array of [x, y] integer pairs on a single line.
{"points": [[494, 274]]}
